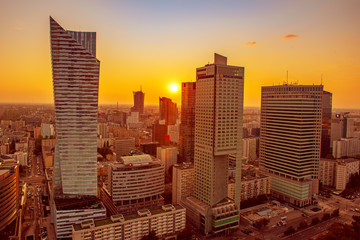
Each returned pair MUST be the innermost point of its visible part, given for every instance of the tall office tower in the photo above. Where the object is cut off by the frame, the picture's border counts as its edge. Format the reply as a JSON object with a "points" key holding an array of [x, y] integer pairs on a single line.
{"points": [[168, 111], [187, 126], [218, 133], [76, 85], [290, 140], [326, 123], [76, 81], [138, 102]]}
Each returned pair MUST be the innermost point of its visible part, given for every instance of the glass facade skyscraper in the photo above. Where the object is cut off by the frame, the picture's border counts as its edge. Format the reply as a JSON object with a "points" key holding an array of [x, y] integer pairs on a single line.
{"points": [[75, 70]]}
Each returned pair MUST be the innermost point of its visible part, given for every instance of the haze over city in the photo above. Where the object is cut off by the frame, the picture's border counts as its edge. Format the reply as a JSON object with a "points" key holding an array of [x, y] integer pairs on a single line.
{"points": [[157, 43], [180, 120]]}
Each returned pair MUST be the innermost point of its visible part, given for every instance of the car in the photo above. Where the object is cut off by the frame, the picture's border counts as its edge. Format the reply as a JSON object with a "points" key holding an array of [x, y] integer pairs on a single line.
{"points": [[273, 226]]}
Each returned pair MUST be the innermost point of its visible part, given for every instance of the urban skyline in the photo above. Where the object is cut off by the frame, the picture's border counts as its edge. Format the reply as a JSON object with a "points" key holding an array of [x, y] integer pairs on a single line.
{"points": [[309, 43], [199, 164]]}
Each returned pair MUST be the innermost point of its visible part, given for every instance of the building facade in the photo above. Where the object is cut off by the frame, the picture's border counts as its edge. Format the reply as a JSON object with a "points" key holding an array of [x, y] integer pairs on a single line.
{"points": [[123, 146], [168, 156], [218, 133], [346, 147], [187, 126], [337, 172], [9, 198], [134, 183], [251, 188], [182, 182], [167, 221], [75, 71], [326, 124], [139, 97], [168, 111], [290, 140]]}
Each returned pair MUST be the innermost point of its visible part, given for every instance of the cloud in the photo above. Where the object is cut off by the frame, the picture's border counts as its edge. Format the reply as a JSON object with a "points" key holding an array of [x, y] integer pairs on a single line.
{"points": [[250, 44], [290, 36]]}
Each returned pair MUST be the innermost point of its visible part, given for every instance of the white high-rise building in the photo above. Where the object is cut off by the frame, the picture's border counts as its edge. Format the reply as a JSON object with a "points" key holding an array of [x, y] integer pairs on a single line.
{"points": [[290, 140], [218, 133]]}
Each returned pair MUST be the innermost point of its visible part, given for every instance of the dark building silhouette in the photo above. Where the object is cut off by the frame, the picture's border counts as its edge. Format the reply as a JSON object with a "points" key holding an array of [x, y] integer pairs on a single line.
{"points": [[168, 111], [139, 97], [326, 123], [187, 126]]}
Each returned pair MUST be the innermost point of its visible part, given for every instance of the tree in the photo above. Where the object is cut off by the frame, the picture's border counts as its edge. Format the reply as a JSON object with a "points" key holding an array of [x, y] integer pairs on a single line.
{"points": [[261, 223], [150, 236], [326, 216], [185, 234], [315, 221], [290, 230], [356, 224], [335, 213], [302, 225]]}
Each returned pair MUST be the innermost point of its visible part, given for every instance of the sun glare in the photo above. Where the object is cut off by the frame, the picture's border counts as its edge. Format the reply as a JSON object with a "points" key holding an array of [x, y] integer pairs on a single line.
{"points": [[173, 88]]}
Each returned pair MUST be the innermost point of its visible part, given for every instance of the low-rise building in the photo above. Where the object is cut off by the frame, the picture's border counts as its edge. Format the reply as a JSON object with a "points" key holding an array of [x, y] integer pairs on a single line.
{"points": [[168, 156], [134, 183], [166, 221], [73, 211], [123, 146], [182, 182], [346, 147], [251, 188], [336, 172]]}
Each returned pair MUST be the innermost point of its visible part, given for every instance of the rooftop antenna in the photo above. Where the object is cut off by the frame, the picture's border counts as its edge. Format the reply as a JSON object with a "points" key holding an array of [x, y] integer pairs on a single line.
{"points": [[321, 79], [287, 77]]}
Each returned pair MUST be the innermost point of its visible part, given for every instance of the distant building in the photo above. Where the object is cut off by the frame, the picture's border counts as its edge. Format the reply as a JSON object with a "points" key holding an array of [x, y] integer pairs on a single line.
{"points": [[123, 146], [22, 158], [149, 148], [168, 156], [251, 188], [249, 148], [48, 152], [167, 221], [103, 130], [47, 130], [132, 120], [168, 111], [160, 134], [173, 132], [326, 124], [4, 149], [346, 147], [187, 126], [342, 126], [9, 197], [290, 140], [22, 146], [134, 183], [138, 102], [337, 172], [37, 132], [182, 182]]}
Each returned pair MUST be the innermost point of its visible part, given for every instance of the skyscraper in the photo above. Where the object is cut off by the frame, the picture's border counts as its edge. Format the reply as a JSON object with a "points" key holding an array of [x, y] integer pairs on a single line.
{"points": [[76, 84], [326, 123], [187, 126], [218, 133], [168, 111], [138, 102], [290, 140]]}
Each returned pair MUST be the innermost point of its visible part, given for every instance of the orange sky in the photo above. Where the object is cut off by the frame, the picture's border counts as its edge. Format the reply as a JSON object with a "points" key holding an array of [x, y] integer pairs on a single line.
{"points": [[157, 43]]}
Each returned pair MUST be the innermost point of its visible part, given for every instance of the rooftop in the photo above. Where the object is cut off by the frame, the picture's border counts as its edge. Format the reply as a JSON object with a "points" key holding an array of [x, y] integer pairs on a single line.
{"points": [[114, 218]]}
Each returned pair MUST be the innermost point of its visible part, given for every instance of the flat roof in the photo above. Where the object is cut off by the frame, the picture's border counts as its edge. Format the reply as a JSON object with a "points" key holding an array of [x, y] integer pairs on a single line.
{"points": [[103, 222]]}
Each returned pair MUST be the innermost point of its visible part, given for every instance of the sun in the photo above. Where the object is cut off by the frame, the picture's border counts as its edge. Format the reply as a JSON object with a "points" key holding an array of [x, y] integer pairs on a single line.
{"points": [[173, 88]]}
